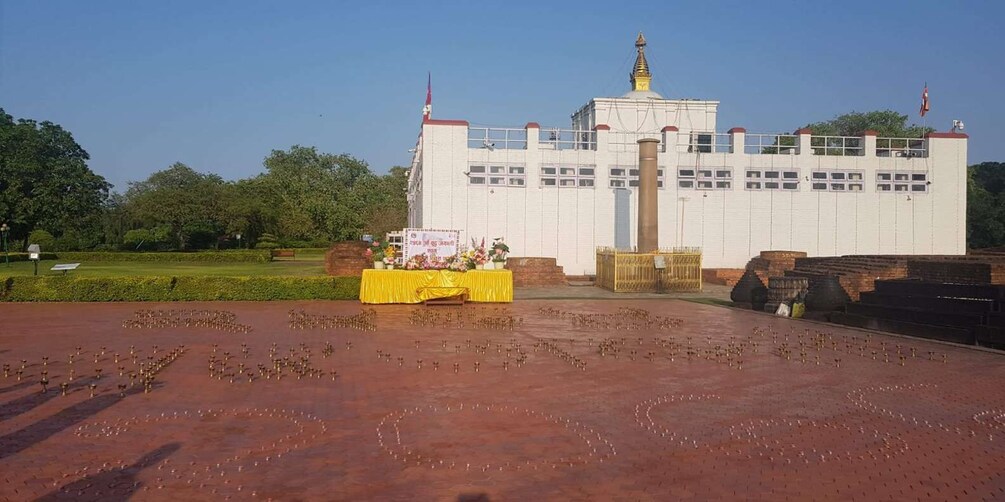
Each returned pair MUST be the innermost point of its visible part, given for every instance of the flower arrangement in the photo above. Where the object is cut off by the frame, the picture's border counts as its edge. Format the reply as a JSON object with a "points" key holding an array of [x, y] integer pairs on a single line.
{"points": [[389, 252], [457, 264], [423, 262], [499, 250], [375, 252], [479, 255]]}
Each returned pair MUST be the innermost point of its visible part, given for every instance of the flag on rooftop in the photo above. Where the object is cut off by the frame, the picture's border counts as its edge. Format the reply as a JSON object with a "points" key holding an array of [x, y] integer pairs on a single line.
{"points": [[925, 106], [428, 109]]}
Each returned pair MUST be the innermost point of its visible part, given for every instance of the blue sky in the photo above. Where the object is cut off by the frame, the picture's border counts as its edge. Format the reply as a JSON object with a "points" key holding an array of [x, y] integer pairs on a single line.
{"points": [[217, 85]]}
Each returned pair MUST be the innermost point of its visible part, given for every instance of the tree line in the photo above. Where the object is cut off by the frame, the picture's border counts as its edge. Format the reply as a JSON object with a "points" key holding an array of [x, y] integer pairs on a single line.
{"points": [[304, 198]]}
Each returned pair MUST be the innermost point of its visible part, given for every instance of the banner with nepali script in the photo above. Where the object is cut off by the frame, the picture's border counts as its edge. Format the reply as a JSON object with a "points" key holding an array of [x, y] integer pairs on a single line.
{"points": [[440, 244]]}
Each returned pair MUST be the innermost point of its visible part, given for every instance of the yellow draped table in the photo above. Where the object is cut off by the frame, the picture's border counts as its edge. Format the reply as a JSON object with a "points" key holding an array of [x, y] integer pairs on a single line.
{"points": [[417, 286]]}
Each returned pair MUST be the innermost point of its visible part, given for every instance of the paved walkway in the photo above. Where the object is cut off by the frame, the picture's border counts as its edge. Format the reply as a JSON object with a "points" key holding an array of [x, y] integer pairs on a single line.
{"points": [[570, 399], [712, 292]]}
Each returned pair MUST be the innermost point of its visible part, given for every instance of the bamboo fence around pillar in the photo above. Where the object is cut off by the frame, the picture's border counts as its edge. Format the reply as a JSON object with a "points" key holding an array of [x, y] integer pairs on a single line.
{"points": [[626, 271]]}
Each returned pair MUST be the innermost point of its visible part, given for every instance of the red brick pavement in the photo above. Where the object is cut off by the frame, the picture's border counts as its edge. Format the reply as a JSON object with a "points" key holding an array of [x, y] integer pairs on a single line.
{"points": [[762, 407]]}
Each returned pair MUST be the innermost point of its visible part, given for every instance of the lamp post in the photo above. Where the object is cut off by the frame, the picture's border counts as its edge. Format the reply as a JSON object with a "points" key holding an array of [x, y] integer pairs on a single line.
{"points": [[238, 235], [4, 230]]}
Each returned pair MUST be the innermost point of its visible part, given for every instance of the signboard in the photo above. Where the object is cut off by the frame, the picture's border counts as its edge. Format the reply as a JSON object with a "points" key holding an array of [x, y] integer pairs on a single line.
{"points": [[439, 243], [660, 262]]}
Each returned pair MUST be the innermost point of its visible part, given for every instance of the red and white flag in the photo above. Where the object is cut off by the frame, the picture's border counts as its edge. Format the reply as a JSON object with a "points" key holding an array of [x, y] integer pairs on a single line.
{"points": [[428, 109], [925, 106]]}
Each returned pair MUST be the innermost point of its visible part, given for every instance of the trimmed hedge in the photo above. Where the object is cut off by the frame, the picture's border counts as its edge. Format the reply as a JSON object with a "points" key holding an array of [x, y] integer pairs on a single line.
{"points": [[265, 288], [237, 256], [16, 257], [191, 288]]}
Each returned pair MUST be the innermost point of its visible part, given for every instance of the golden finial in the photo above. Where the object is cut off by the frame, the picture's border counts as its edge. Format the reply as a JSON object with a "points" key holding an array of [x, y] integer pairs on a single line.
{"points": [[641, 77]]}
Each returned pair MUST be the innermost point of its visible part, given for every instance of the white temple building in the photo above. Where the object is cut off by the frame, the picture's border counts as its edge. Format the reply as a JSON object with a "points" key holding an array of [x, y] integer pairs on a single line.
{"points": [[564, 192]]}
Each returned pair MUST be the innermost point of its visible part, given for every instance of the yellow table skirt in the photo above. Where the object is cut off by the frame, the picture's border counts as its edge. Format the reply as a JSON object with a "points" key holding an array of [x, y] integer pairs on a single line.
{"points": [[417, 286]]}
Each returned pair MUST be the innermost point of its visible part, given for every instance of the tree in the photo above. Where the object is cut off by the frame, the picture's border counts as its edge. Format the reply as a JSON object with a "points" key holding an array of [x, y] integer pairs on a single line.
{"points": [[44, 179], [387, 210], [319, 196], [184, 200], [247, 207], [886, 123], [986, 205]]}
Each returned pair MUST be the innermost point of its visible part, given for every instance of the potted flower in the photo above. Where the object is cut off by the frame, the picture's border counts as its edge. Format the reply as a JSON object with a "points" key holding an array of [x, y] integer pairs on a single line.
{"points": [[498, 253], [479, 255], [376, 253], [457, 264], [389, 252]]}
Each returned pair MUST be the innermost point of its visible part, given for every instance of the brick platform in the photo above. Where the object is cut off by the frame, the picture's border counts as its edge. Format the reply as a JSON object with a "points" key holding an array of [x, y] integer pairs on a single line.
{"points": [[858, 273], [346, 259], [576, 401], [773, 263], [721, 276], [535, 272]]}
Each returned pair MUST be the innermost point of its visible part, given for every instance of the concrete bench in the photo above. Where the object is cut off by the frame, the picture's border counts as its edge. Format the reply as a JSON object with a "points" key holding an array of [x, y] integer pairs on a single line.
{"points": [[64, 267]]}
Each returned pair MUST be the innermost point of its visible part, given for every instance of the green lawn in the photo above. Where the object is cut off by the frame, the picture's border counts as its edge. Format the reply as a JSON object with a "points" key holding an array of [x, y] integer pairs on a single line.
{"points": [[299, 267]]}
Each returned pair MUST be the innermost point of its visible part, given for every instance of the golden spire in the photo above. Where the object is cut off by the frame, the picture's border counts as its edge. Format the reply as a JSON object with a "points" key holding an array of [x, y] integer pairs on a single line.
{"points": [[640, 75]]}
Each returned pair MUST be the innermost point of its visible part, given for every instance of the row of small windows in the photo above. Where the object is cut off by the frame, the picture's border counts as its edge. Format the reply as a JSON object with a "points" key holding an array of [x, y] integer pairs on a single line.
{"points": [[702, 179], [514, 176], [621, 177], [568, 177]]}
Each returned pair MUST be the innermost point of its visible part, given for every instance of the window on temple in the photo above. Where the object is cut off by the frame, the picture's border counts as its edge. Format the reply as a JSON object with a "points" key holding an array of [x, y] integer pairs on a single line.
{"points": [[771, 179], [838, 180], [568, 176], [720, 178], [621, 177], [497, 176], [893, 181]]}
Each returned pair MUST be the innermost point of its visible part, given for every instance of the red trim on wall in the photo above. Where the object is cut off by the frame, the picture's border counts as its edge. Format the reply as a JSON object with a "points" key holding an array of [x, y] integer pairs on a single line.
{"points": [[955, 135], [736, 130], [805, 130], [532, 125], [670, 129], [601, 127], [445, 122], [869, 132]]}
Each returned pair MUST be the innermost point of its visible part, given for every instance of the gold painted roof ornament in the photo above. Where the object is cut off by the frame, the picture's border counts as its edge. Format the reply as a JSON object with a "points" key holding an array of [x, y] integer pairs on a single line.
{"points": [[641, 77]]}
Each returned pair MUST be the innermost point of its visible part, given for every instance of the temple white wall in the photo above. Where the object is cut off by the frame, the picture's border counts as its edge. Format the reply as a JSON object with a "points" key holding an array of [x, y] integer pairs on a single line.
{"points": [[729, 224]]}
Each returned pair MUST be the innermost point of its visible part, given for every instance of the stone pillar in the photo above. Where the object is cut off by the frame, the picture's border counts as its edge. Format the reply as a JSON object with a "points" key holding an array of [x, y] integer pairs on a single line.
{"points": [[869, 143], [648, 233], [804, 141]]}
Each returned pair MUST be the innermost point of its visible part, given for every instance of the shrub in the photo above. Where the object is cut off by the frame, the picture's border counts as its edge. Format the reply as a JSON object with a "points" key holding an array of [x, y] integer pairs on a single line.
{"points": [[44, 239], [267, 241], [69, 241], [295, 244], [115, 289], [143, 238]]}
